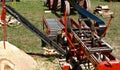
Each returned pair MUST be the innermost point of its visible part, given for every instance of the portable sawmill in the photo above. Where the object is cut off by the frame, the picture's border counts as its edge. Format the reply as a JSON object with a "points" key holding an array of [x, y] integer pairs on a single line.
{"points": [[82, 41], [79, 43], [83, 45]]}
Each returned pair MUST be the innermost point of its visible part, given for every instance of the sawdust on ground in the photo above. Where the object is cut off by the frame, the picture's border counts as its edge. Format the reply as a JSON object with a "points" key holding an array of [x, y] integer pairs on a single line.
{"points": [[15, 58]]}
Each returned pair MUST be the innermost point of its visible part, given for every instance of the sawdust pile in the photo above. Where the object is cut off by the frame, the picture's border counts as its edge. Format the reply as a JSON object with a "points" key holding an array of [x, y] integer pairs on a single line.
{"points": [[15, 59]]}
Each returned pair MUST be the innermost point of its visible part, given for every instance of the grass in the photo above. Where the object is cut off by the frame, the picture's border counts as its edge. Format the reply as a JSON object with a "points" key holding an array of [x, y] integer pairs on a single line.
{"points": [[22, 37], [33, 10], [113, 33]]}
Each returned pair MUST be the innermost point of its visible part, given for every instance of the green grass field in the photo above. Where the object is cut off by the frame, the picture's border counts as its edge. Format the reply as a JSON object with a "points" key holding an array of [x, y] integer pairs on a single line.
{"points": [[33, 10]]}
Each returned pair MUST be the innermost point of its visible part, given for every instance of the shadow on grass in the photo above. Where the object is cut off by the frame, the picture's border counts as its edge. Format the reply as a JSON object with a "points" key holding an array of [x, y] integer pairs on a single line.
{"points": [[58, 15], [72, 12]]}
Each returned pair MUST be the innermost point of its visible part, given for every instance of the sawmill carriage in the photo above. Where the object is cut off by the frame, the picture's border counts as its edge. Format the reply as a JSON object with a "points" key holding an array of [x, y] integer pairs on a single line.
{"points": [[82, 41], [79, 43], [84, 48]]}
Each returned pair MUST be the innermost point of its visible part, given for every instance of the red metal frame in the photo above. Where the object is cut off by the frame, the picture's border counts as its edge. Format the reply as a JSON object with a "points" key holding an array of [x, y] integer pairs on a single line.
{"points": [[66, 68], [46, 24], [79, 51], [3, 16], [100, 65], [108, 25], [111, 64], [3, 10]]}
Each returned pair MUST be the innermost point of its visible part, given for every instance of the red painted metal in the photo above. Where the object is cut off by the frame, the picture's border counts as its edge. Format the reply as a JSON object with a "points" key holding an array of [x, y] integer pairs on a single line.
{"points": [[3, 11], [84, 54], [66, 68], [46, 24], [3, 16], [74, 23], [78, 50], [108, 25], [68, 35], [109, 65]]}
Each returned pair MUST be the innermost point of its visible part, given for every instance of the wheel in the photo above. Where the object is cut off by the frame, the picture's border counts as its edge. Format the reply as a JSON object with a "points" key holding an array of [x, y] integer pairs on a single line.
{"points": [[88, 5], [85, 4], [67, 8], [54, 4], [50, 4]]}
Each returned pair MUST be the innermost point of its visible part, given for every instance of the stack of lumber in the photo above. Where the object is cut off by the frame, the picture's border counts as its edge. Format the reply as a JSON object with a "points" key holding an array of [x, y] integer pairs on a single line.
{"points": [[10, 21], [49, 51], [103, 10]]}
